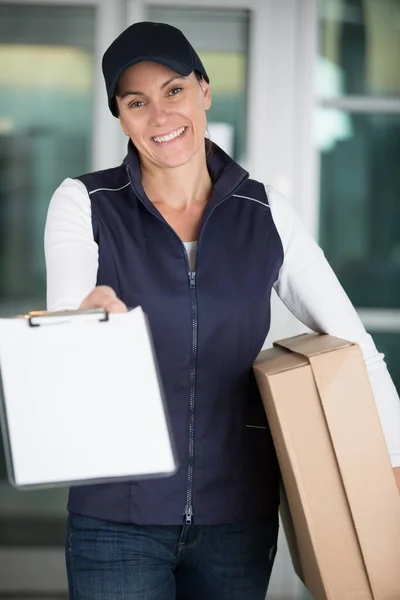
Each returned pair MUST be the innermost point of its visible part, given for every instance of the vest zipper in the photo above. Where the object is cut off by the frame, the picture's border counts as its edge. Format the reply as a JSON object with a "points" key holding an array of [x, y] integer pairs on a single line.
{"points": [[189, 493], [188, 514]]}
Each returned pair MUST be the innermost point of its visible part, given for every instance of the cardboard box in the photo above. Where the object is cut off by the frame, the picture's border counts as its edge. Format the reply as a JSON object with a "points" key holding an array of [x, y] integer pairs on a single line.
{"points": [[343, 522]]}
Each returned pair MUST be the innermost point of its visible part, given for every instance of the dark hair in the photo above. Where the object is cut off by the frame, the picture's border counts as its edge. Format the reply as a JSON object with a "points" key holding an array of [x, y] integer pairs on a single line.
{"points": [[208, 142]]}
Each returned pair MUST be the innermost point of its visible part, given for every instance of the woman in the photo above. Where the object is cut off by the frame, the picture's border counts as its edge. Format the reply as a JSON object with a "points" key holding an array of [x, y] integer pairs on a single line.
{"points": [[182, 230]]}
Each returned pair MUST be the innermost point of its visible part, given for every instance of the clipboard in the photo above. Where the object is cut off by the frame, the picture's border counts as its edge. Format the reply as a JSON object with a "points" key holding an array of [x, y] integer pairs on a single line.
{"points": [[81, 399]]}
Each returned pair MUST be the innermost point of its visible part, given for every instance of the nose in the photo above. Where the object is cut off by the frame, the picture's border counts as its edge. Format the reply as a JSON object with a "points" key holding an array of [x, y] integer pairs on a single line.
{"points": [[158, 114]]}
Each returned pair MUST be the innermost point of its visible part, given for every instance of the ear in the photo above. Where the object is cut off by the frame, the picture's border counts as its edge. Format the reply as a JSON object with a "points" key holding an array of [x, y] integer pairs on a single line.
{"points": [[121, 122], [206, 93], [123, 126]]}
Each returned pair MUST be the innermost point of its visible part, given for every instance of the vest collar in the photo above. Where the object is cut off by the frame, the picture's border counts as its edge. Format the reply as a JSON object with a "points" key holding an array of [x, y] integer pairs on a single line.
{"points": [[226, 174]]}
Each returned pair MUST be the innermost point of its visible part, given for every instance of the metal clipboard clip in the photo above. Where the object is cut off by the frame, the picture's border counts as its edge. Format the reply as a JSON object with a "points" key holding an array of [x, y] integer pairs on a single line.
{"points": [[34, 318]]}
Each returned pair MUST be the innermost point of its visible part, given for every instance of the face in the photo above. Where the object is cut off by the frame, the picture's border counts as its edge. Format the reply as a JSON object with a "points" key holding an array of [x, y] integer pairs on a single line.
{"points": [[163, 113]]}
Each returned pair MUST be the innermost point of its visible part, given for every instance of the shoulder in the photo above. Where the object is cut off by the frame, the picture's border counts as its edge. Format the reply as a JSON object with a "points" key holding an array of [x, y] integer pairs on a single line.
{"points": [[253, 191], [70, 196], [282, 212], [267, 196], [69, 212], [113, 179], [76, 194], [279, 204], [283, 215]]}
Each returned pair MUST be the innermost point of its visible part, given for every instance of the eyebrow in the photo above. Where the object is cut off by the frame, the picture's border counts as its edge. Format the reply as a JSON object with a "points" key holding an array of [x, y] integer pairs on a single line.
{"points": [[164, 85]]}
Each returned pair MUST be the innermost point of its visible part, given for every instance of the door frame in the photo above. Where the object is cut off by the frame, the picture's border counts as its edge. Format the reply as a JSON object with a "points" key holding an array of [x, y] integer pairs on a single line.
{"points": [[280, 152]]}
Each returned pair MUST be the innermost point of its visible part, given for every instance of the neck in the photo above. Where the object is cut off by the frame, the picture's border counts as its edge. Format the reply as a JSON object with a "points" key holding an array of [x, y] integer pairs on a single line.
{"points": [[178, 187]]}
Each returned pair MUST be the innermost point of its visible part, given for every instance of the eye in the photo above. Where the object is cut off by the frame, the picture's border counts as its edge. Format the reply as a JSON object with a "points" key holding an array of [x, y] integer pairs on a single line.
{"points": [[175, 91], [136, 104]]}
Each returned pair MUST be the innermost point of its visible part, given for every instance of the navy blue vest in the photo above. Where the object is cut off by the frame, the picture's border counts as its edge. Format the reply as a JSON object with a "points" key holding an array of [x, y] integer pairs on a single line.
{"points": [[208, 326]]}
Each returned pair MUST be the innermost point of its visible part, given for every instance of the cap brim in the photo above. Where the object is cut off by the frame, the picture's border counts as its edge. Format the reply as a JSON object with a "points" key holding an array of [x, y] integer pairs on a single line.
{"points": [[178, 67]]}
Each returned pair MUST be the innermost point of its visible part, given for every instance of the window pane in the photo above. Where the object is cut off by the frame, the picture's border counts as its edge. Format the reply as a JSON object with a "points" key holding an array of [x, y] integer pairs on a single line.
{"points": [[360, 207], [359, 47], [45, 135], [389, 344], [221, 39]]}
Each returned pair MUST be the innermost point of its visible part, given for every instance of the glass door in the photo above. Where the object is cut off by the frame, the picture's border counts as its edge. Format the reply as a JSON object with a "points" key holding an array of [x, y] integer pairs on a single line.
{"points": [[46, 82], [358, 126]]}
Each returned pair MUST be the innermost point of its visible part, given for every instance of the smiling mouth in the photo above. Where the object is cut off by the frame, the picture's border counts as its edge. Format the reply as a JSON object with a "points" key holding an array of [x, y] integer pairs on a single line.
{"points": [[170, 136]]}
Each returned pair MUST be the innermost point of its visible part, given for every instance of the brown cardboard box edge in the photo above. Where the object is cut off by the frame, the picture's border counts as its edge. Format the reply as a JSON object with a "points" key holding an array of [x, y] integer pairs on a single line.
{"points": [[364, 467], [311, 561]]}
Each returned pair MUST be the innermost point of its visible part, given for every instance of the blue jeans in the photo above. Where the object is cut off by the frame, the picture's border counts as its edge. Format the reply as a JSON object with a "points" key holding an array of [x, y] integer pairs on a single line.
{"points": [[118, 561]]}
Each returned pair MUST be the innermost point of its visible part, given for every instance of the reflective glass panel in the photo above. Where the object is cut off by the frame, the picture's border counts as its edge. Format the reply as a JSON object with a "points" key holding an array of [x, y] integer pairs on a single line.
{"points": [[359, 48], [45, 133], [360, 210], [389, 344], [46, 57], [360, 207]]}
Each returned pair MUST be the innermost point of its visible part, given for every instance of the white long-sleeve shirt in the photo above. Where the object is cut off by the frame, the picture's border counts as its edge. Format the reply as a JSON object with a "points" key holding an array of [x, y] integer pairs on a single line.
{"points": [[307, 285]]}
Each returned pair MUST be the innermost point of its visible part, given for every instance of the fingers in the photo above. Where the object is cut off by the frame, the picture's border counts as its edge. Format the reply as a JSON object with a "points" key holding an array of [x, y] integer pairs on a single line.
{"points": [[115, 306], [104, 297]]}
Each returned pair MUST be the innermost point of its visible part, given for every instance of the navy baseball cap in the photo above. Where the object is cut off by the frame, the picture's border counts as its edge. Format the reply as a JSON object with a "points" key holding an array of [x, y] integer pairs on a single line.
{"points": [[156, 42]]}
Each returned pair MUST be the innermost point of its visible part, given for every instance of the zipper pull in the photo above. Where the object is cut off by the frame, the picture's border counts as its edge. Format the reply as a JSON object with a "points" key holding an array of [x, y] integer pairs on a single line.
{"points": [[192, 279], [188, 515]]}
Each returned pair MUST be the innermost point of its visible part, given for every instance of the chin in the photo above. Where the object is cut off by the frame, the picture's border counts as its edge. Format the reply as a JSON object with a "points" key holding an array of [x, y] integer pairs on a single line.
{"points": [[174, 164], [176, 159]]}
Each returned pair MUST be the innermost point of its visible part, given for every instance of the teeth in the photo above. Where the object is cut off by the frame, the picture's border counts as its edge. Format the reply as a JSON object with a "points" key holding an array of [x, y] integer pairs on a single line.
{"points": [[170, 136]]}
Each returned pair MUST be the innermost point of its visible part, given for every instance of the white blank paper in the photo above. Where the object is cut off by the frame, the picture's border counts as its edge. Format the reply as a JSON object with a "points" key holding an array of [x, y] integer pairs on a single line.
{"points": [[82, 400]]}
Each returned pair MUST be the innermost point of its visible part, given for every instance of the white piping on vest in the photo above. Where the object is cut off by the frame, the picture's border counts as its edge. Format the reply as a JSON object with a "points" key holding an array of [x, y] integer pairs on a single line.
{"points": [[108, 189], [253, 199]]}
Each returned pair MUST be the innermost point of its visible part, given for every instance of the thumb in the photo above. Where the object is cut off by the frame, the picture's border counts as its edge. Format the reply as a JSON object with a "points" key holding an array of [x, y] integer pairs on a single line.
{"points": [[105, 297]]}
